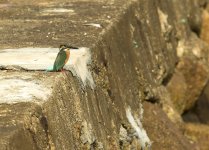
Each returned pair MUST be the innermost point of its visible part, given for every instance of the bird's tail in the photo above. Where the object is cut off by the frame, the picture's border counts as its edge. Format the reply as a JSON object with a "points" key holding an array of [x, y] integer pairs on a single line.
{"points": [[50, 69]]}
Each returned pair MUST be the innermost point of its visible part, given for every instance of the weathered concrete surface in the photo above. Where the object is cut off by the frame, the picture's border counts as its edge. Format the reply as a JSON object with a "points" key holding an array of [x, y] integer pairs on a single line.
{"points": [[32, 24], [205, 27], [197, 117], [29, 58], [197, 133], [133, 58], [35, 58], [202, 106], [156, 120], [184, 88], [23, 126], [25, 87], [199, 113], [42, 59]]}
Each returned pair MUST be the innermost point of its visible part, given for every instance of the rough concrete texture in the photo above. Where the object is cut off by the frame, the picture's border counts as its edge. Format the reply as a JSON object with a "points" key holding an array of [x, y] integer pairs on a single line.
{"points": [[25, 87], [23, 126], [42, 59], [199, 113], [204, 31], [29, 58], [197, 133], [184, 88], [202, 105], [156, 119], [138, 48], [36, 58]]}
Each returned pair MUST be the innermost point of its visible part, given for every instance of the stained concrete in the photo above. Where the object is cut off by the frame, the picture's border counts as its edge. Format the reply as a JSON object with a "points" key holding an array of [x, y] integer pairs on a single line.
{"points": [[29, 58], [133, 58], [24, 87], [37, 58]]}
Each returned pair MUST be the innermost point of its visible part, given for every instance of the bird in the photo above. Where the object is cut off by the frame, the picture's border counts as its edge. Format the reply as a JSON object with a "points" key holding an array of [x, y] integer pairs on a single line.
{"points": [[62, 57]]}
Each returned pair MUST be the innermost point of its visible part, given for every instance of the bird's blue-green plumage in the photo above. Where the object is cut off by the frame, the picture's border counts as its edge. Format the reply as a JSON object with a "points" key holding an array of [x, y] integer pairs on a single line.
{"points": [[60, 60]]}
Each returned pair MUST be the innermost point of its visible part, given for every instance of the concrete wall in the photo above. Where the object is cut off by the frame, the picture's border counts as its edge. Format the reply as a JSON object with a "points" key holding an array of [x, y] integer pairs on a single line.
{"points": [[135, 66]]}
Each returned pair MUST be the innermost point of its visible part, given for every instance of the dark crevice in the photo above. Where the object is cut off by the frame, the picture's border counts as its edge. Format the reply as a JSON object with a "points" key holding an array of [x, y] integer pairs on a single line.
{"points": [[96, 69], [94, 145], [18, 68], [33, 138], [152, 100], [167, 79], [190, 116], [44, 124], [196, 31], [150, 97], [199, 112], [203, 4]]}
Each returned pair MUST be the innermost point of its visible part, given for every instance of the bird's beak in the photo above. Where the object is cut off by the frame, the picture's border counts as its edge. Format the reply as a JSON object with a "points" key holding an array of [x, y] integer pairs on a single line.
{"points": [[72, 47]]}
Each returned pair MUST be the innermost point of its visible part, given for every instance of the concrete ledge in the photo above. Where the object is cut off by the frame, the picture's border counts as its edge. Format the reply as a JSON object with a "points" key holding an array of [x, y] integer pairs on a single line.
{"points": [[16, 87], [133, 53]]}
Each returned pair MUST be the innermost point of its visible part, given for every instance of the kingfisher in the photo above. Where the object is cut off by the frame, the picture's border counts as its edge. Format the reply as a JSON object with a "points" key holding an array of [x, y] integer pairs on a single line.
{"points": [[62, 57]]}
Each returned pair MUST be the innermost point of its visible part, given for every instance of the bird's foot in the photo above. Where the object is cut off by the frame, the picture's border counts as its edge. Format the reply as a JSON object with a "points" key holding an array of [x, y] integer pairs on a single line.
{"points": [[63, 70]]}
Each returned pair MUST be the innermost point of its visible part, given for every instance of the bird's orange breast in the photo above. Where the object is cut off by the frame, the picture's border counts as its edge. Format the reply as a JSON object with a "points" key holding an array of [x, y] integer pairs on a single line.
{"points": [[68, 55]]}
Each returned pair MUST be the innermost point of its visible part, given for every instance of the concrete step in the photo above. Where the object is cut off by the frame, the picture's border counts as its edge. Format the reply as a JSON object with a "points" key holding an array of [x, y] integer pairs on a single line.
{"points": [[128, 57]]}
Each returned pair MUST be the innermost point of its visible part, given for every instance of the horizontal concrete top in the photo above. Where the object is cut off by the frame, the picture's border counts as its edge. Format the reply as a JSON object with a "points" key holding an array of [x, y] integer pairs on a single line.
{"points": [[35, 58], [43, 59], [24, 87], [18, 87], [49, 23]]}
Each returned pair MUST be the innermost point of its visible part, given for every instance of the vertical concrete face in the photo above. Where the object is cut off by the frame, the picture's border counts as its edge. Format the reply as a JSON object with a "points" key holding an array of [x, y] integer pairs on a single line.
{"points": [[135, 52], [21, 127]]}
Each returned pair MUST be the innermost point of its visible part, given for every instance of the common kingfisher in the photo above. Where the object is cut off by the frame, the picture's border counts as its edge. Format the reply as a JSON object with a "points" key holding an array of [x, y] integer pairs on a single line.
{"points": [[62, 57]]}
